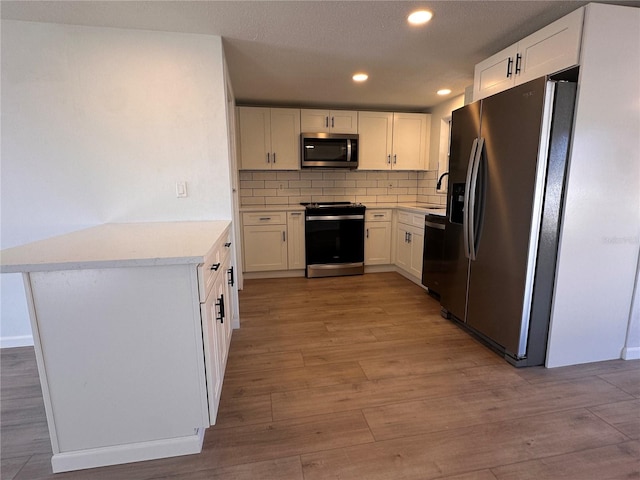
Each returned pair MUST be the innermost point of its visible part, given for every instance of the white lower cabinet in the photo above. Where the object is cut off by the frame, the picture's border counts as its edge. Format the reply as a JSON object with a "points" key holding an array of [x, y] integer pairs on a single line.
{"points": [[295, 247], [265, 241], [377, 238], [273, 241], [409, 243]]}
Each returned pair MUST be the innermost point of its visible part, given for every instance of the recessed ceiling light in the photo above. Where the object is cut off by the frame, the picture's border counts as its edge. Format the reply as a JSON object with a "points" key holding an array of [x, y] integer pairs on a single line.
{"points": [[419, 17], [360, 77], [444, 91]]}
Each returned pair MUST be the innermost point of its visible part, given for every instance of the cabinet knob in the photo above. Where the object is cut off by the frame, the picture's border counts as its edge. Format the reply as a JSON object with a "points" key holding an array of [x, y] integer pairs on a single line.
{"points": [[228, 244]]}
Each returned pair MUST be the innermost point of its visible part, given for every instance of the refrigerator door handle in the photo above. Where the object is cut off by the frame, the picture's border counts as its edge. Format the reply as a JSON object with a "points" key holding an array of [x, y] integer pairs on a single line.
{"points": [[473, 247], [465, 212]]}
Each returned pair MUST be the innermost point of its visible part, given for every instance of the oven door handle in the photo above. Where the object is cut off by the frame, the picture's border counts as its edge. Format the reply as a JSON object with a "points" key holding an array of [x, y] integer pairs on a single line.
{"points": [[334, 217]]}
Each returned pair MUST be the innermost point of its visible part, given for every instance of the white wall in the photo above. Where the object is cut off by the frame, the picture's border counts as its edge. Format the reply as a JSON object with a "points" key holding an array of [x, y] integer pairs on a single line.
{"points": [[600, 236], [439, 137], [97, 126]]}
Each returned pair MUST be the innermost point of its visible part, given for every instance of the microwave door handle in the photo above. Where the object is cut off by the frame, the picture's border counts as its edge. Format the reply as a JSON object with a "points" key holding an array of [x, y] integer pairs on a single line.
{"points": [[348, 150]]}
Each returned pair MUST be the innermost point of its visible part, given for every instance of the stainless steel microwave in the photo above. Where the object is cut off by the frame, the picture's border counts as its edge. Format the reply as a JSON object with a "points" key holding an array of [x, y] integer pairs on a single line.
{"points": [[329, 150]]}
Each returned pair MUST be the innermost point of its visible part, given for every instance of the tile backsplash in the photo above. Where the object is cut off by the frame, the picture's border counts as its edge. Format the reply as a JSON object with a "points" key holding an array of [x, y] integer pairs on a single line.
{"points": [[258, 187]]}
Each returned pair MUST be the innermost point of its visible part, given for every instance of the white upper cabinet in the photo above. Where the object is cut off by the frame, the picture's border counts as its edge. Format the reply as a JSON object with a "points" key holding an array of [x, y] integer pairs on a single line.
{"points": [[393, 141], [328, 121], [269, 138], [549, 50]]}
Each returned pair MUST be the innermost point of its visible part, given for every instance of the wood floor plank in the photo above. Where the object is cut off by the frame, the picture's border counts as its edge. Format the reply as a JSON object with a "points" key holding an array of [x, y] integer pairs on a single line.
{"points": [[625, 416], [498, 404], [9, 467], [247, 410], [542, 375], [464, 450], [612, 462], [289, 468], [429, 361], [291, 379], [339, 398], [477, 475], [627, 380], [286, 438], [242, 361]]}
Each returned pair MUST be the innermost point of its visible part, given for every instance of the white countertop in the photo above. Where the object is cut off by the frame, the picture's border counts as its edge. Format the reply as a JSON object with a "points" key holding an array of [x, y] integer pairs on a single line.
{"points": [[414, 207], [117, 245]]}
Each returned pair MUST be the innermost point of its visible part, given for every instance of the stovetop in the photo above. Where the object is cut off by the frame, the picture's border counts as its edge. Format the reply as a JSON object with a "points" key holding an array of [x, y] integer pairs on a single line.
{"points": [[331, 205]]}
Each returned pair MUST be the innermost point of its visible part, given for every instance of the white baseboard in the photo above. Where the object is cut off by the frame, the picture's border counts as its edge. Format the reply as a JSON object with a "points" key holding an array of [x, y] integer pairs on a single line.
{"points": [[19, 341], [136, 452], [631, 353]]}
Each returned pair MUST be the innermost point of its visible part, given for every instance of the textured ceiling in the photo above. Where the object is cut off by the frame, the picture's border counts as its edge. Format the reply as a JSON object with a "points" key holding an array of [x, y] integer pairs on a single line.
{"points": [[304, 52]]}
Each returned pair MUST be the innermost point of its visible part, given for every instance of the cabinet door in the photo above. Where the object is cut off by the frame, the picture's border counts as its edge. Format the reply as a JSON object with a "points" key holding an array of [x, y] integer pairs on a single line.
{"points": [[314, 121], [285, 138], [551, 49], [403, 247], [255, 138], [343, 121], [209, 311], [417, 249], [410, 140], [265, 248], [495, 74], [295, 232], [376, 136], [377, 243]]}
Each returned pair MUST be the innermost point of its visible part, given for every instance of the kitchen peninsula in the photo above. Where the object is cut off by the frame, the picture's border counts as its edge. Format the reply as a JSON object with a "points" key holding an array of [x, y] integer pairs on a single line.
{"points": [[130, 336]]}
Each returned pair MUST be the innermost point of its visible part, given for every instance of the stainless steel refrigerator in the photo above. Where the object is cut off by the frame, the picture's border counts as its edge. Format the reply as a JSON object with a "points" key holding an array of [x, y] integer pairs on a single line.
{"points": [[507, 169]]}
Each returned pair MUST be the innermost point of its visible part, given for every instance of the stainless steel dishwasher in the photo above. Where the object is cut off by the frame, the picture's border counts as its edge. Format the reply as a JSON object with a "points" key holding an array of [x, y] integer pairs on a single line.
{"points": [[433, 263]]}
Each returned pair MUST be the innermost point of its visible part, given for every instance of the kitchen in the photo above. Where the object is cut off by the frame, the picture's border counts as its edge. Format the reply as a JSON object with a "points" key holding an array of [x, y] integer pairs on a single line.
{"points": [[120, 191]]}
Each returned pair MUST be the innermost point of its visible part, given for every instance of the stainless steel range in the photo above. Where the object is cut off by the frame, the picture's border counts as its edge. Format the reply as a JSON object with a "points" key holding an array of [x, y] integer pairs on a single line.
{"points": [[334, 239]]}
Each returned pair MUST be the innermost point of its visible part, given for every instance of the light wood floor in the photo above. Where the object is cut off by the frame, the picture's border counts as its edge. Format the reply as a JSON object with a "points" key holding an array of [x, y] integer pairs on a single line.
{"points": [[360, 378]]}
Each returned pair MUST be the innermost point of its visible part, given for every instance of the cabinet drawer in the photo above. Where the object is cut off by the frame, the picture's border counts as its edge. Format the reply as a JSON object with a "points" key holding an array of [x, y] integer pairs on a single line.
{"points": [[208, 270], [415, 219], [377, 215], [264, 218]]}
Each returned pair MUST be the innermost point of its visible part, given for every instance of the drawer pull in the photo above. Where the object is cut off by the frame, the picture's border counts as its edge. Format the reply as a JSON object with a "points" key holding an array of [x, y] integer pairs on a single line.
{"points": [[220, 305], [265, 218], [230, 277], [378, 214], [215, 267], [228, 244]]}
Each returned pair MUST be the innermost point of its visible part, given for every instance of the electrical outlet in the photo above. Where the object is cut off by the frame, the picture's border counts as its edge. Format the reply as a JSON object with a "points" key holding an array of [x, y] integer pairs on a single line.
{"points": [[181, 189]]}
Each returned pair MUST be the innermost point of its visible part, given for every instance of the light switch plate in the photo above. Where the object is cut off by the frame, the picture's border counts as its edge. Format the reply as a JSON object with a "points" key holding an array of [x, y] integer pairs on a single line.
{"points": [[181, 189]]}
